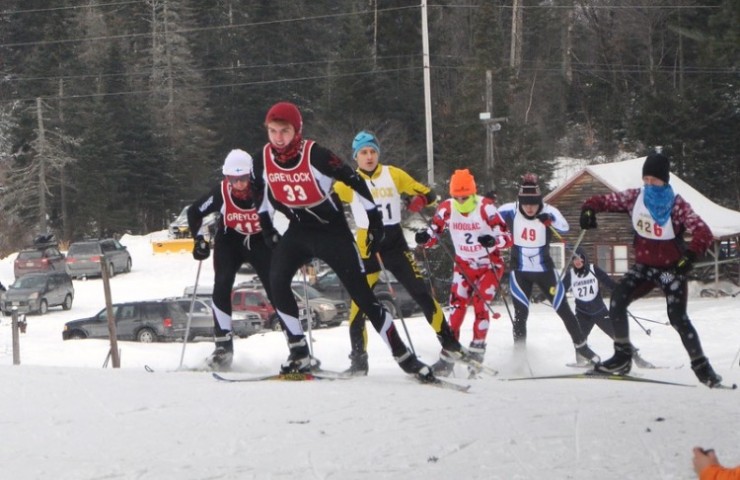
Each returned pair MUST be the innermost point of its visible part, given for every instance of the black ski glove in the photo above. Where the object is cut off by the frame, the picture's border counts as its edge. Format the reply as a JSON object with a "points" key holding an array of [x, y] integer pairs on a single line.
{"points": [[545, 218], [422, 237], [488, 241], [685, 263], [271, 237], [588, 219], [201, 248], [375, 231]]}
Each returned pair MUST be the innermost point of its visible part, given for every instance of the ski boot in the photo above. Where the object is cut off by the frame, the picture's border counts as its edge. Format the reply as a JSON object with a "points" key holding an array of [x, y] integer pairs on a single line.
{"points": [[300, 359], [222, 356], [585, 351], [412, 365], [639, 361], [476, 352], [359, 366], [445, 365], [582, 361], [620, 363], [705, 373]]}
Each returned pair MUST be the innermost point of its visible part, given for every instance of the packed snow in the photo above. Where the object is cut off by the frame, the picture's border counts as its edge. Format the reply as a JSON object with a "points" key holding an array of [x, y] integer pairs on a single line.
{"points": [[64, 416]]}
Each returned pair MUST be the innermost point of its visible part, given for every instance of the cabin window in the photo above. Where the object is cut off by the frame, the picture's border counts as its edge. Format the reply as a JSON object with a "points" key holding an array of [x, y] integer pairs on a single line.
{"points": [[613, 259]]}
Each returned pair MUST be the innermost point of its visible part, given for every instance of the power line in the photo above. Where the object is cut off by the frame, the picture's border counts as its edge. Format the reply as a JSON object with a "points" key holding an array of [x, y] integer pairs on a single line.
{"points": [[201, 29], [303, 19], [71, 7]]}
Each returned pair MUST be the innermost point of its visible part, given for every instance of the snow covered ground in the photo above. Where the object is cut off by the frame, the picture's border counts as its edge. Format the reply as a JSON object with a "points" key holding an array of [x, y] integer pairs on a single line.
{"points": [[65, 417]]}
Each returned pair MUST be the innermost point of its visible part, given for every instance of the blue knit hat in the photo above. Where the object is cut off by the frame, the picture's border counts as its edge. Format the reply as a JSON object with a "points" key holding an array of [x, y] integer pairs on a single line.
{"points": [[364, 139]]}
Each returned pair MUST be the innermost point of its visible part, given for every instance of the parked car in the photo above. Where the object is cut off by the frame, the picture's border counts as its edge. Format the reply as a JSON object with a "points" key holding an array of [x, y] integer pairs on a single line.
{"points": [[252, 297], [328, 284], [36, 292], [42, 256], [84, 259], [324, 311], [146, 322], [243, 324], [179, 227]]}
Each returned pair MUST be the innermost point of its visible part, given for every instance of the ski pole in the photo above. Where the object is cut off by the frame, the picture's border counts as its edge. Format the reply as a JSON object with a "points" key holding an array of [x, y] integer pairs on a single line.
{"points": [[473, 286], [575, 247], [308, 312], [651, 320], [646, 330], [393, 297], [429, 272], [190, 315]]}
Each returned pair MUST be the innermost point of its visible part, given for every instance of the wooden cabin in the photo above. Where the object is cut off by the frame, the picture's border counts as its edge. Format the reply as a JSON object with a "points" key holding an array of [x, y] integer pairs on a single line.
{"points": [[610, 245]]}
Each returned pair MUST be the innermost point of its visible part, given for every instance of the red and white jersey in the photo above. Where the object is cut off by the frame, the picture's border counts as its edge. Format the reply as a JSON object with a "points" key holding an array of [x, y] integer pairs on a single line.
{"points": [[645, 225], [244, 220], [465, 228], [295, 187]]}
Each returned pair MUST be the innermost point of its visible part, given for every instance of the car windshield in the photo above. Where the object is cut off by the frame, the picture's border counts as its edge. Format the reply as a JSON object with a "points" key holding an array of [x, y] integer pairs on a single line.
{"points": [[84, 249], [312, 292], [34, 281], [30, 255]]}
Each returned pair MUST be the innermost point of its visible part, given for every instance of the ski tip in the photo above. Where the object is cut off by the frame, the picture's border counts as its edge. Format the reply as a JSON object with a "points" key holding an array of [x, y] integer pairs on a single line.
{"points": [[148, 369]]}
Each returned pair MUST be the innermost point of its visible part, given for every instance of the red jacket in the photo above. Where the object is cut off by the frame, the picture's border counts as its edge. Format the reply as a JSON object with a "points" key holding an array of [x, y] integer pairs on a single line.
{"points": [[658, 253]]}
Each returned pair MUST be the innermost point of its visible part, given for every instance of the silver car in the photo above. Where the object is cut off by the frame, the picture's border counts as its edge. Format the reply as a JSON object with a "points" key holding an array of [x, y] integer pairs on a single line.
{"points": [[243, 324], [84, 259], [36, 292]]}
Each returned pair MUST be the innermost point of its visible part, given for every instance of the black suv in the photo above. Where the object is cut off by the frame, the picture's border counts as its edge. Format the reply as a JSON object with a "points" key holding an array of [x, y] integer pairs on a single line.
{"points": [[84, 259], [36, 292], [329, 285], [146, 322], [42, 256]]}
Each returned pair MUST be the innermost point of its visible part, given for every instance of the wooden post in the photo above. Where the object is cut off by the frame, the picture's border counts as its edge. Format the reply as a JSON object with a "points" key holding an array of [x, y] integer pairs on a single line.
{"points": [[16, 338], [116, 359]]}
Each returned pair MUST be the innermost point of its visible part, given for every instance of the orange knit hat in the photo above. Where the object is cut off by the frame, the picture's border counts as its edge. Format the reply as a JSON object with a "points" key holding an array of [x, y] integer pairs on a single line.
{"points": [[462, 183]]}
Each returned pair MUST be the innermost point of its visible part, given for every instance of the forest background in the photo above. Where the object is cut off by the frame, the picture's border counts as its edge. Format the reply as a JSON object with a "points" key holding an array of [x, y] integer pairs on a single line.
{"points": [[114, 114]]}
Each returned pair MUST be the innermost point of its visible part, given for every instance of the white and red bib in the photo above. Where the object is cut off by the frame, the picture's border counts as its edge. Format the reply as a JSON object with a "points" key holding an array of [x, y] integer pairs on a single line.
{"points": [[645, 225], [529, 233], [294, 187], [465, 230], [244, 220]]}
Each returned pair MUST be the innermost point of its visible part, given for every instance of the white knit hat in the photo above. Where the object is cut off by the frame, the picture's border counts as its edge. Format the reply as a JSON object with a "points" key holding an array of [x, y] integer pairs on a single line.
{"points": [[238, 163]]}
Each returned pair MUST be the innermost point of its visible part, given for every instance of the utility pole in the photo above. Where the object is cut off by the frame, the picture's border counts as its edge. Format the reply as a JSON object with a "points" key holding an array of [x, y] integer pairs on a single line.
{"points": [[492, 125], [43, 229], [427, 93]]}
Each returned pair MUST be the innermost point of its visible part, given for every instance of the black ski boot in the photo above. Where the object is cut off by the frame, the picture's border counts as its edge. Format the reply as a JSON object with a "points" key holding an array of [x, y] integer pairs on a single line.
{"points": [[620, 363], [705, 373], [359, 366], [412, 365], [300, 359], [221, 358]]}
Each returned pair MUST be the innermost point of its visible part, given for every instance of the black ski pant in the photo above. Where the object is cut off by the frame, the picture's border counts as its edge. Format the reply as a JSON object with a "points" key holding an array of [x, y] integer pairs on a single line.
{"points": [[333, 243], [521, 284], [600, 318], [400, 262], [638, 282], [230, 251]]}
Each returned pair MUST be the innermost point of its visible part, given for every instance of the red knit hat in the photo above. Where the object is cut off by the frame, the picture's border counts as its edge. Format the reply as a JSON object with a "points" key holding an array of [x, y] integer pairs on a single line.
{"points": [[285, 112]]}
